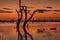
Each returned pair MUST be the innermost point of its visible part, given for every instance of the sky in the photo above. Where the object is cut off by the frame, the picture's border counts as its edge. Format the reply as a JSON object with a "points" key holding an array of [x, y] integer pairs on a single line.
{"points": [[33, 3], [12, 5]]}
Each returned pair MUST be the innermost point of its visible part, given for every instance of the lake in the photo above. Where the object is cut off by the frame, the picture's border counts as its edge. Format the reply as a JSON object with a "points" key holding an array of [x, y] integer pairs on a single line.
{"points": [[39, 30]]}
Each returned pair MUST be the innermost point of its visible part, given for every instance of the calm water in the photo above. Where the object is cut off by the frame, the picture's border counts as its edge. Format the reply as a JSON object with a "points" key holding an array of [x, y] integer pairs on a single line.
{"points": [[39, 30]]}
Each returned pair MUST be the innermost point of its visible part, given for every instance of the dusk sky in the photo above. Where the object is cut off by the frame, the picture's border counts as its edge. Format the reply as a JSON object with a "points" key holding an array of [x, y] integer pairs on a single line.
{"points": [[36, 4]]}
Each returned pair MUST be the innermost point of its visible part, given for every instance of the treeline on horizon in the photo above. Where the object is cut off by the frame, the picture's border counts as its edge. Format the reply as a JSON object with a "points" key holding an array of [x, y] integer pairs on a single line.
{"points": [[31, 21]]}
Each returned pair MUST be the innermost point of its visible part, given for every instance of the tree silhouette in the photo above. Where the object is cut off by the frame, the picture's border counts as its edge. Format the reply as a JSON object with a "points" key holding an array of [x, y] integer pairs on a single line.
{"points": [[24, 8], [18, 23], [19, 20], [27, 20]]}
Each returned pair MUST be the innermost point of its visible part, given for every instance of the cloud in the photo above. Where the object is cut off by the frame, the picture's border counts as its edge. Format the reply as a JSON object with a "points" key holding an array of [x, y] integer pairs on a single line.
{"points": [[45, 10], [5, 11], [56, 10], [48, 7], [7, 8], [42, 10]]}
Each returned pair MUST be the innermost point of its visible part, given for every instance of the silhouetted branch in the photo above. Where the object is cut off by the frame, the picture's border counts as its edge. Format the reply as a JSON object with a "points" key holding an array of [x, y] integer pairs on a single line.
{"points": [[31, 15], [18, 22], [25, 31], [25, 22]]}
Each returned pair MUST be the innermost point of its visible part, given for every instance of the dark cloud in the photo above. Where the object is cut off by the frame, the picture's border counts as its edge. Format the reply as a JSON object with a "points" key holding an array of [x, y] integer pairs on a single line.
{"points": [[45, 10], [49, 7], [56, 10], [4, 11], [7, 8], [42, 10]]}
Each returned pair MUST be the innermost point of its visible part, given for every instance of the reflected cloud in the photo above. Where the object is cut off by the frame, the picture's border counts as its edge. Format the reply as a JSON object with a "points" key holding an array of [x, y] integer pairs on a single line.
{"points": [[55, 13]]}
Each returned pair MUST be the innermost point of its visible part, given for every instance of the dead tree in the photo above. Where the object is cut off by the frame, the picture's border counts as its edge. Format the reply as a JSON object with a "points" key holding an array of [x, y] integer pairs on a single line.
{"points": [[24, 8], [19, 21], [27, 20]]}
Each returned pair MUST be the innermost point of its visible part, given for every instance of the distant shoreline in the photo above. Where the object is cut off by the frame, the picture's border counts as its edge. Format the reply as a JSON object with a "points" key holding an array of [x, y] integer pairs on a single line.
{"points": [[32, 21]]}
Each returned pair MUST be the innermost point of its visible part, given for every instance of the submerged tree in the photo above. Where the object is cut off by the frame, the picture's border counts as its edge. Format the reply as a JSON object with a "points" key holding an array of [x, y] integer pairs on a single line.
{"points": [[20, 14], [27, 20], [24, 8], [21, 9], [19, 21]]}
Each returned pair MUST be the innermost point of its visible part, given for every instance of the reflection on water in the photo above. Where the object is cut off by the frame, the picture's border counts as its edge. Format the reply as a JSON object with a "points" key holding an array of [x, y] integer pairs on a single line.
{"points": [[39, 30]]}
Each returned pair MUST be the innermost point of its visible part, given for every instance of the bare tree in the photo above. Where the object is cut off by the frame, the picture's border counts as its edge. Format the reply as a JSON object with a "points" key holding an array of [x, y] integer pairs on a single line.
{"points": [[18, 23], [24, 9], [25, 22], [19, 20]]}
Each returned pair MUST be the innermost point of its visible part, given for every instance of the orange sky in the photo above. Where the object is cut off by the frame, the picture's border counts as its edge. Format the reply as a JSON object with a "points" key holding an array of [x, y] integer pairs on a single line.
{"points": [[36, 4], [46, 16]]}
